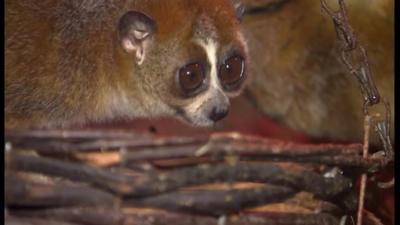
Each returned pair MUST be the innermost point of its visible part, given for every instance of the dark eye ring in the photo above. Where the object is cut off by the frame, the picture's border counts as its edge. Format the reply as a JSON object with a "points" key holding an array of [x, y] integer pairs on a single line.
{"points": [[190, 78], [231, 72]]}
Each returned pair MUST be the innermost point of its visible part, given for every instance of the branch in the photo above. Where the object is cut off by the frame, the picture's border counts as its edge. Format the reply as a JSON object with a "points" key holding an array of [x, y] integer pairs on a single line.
{"points": [[11, 220], [99, 216], [82, 173], [215, 202], [160, 182], [22, 193]]}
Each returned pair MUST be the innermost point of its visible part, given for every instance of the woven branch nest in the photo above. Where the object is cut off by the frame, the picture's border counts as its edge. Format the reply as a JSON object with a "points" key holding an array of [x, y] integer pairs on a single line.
{"points": [[105, 177]]}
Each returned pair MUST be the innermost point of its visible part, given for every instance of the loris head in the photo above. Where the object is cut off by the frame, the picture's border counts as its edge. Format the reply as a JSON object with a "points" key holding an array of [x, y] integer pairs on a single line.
{"points": [[189, 57]]}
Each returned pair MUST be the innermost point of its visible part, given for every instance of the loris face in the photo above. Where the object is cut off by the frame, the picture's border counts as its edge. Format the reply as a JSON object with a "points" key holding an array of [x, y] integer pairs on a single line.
{"points": [[191, 61]]}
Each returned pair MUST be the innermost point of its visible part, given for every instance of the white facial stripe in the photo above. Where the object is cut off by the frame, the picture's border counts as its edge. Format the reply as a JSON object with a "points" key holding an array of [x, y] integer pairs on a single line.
{"points": [[210, 47]]}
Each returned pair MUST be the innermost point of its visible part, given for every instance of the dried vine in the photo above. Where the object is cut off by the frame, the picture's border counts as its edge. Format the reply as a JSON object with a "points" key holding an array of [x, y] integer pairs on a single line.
{"points": [[354, 57]]}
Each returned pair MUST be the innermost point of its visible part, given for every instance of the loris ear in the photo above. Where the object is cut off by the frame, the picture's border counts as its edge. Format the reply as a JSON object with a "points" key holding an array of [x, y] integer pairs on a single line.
{"points": [[135, 33], [240, 9]]}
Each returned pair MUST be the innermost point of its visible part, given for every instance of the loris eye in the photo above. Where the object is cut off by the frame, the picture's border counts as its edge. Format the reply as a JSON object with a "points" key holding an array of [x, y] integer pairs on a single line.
{"points": [[231, 72], [191, 78]]}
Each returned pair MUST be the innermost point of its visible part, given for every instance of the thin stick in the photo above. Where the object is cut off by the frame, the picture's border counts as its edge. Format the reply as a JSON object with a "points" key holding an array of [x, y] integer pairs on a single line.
{"points": [[367, 124]]}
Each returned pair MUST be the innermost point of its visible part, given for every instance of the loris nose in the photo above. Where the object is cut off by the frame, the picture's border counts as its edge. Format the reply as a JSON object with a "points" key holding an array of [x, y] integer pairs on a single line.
{"points": [[218, 114]]}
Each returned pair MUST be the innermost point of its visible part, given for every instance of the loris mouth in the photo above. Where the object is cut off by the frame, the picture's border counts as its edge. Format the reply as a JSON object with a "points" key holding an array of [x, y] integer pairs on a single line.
{"points": [[185, 118], [182, 115]]}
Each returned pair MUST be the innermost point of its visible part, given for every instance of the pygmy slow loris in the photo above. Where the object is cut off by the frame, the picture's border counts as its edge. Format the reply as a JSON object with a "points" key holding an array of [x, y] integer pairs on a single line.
{"points": [[74, 61]]}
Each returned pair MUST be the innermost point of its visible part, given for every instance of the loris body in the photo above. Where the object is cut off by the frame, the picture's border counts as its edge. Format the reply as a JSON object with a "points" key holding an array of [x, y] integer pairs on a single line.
{"points": [[70, 62], [301, 80]]}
